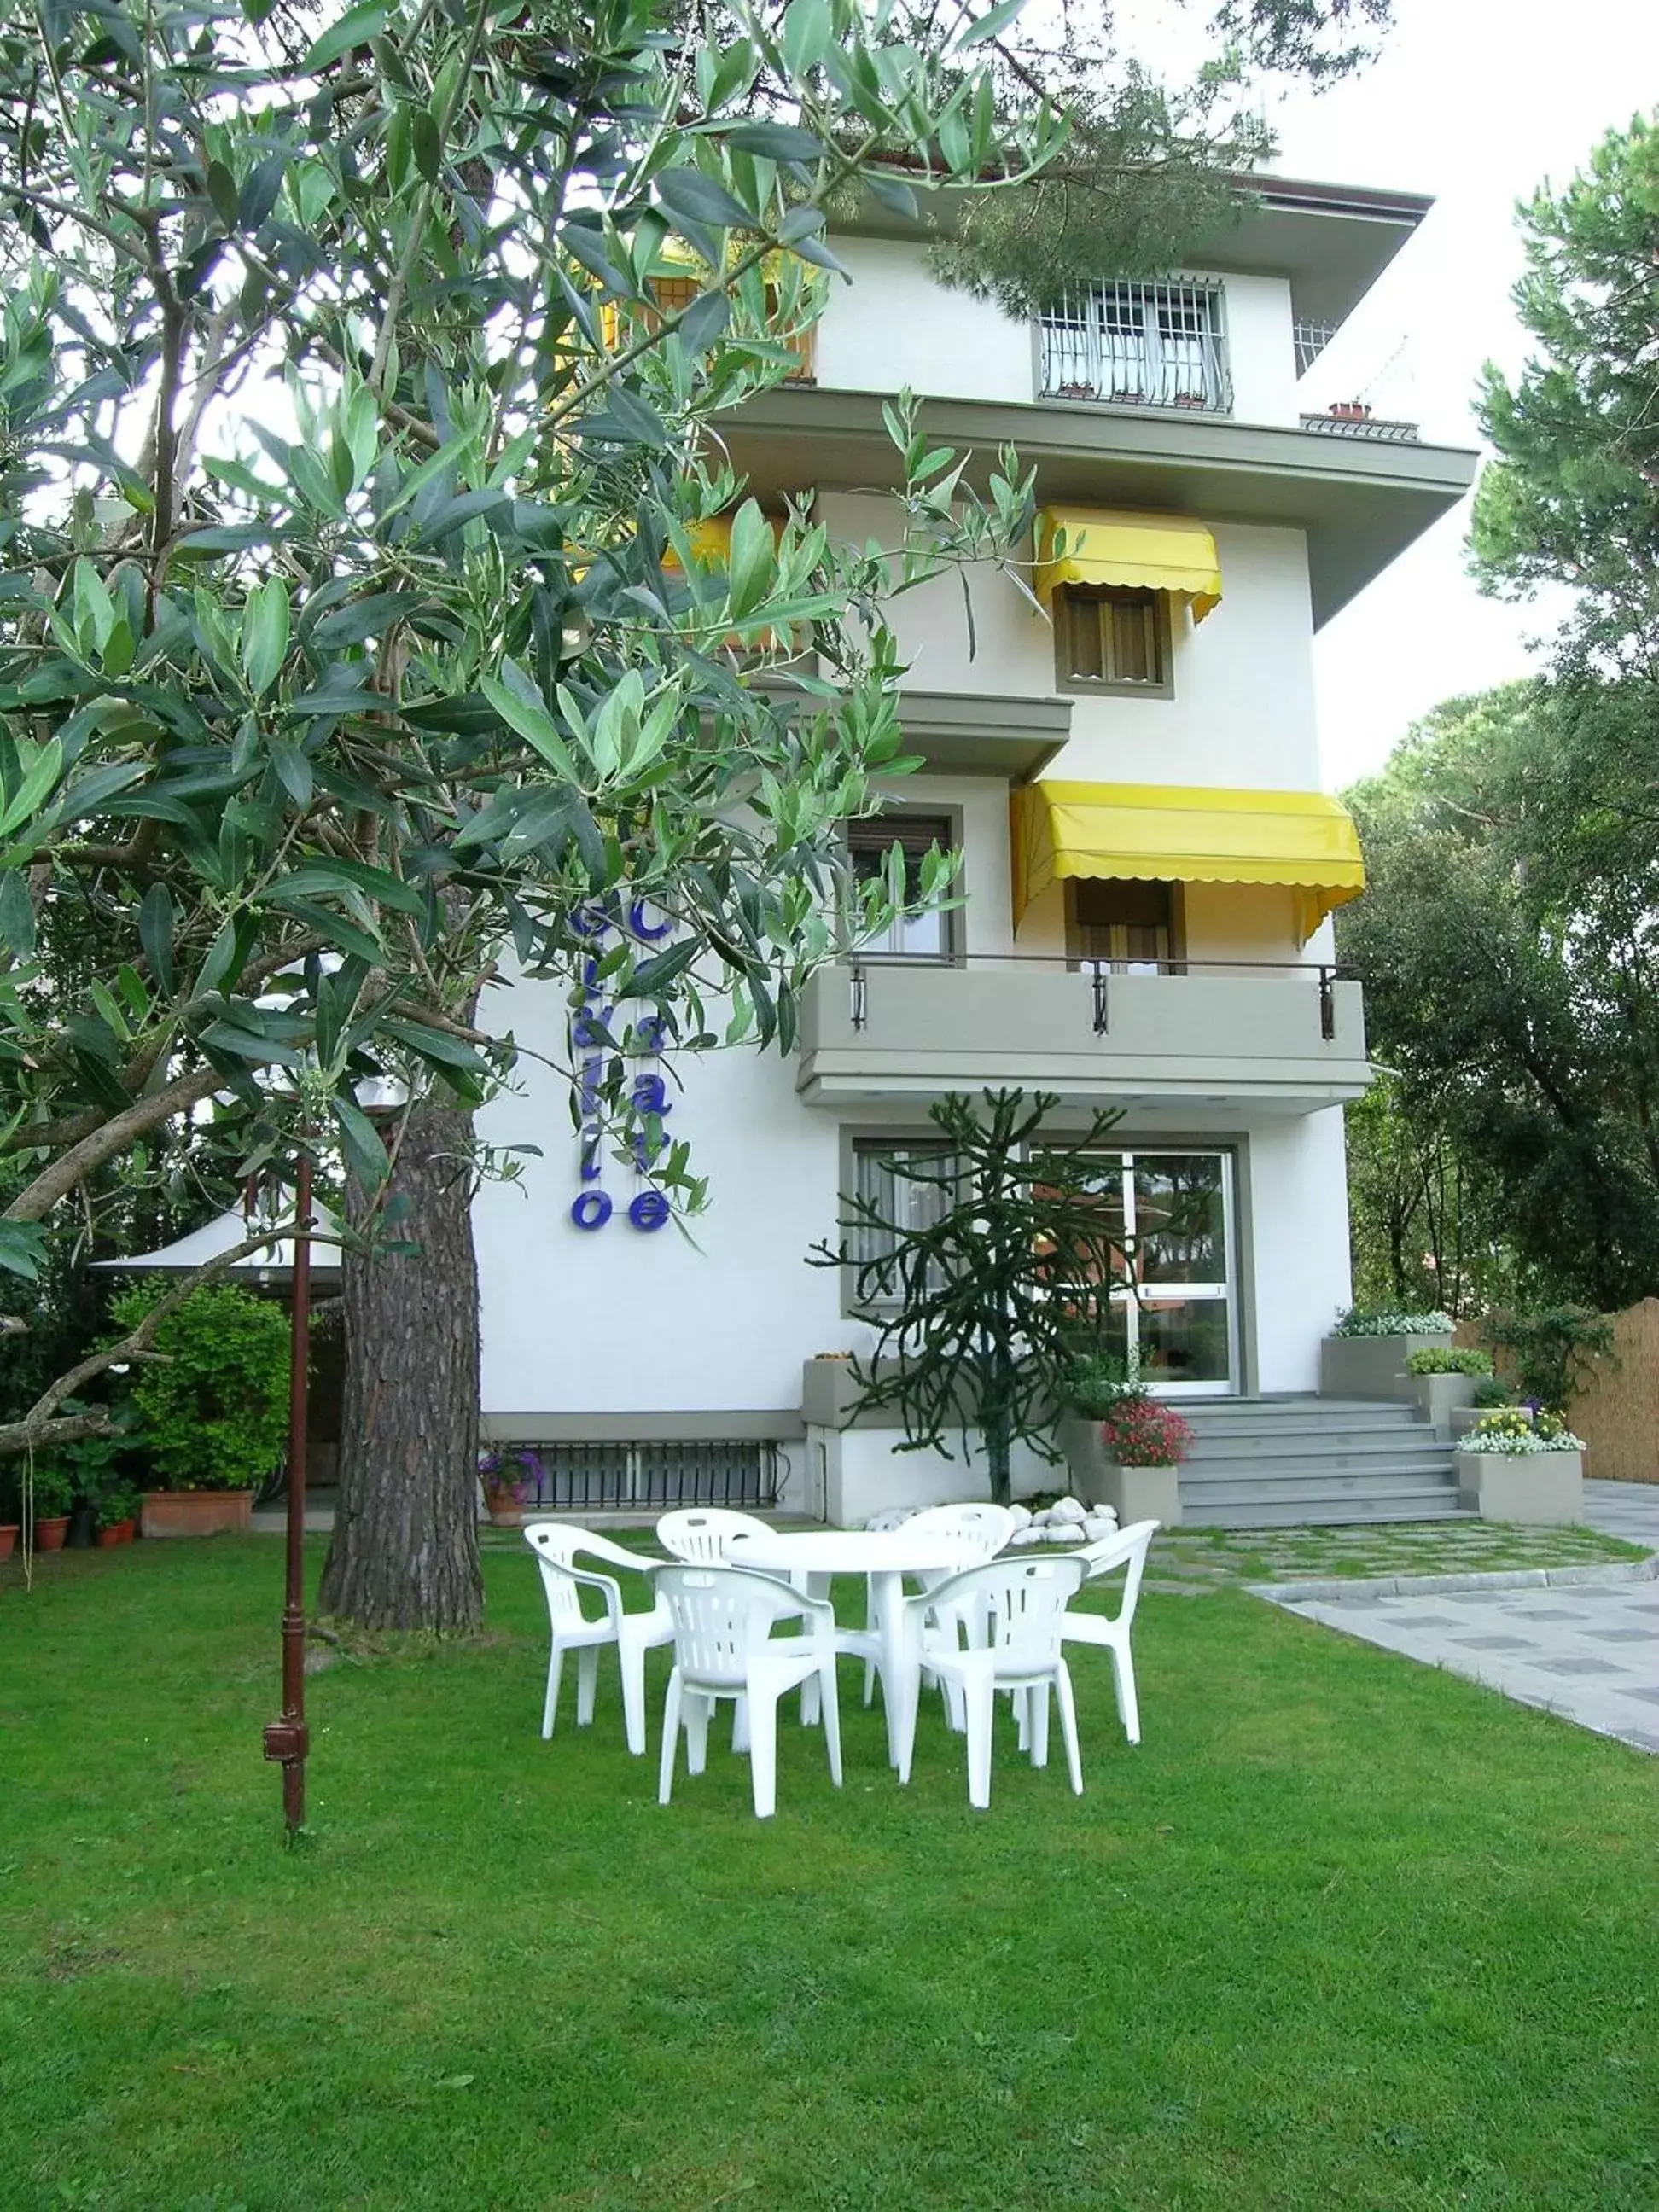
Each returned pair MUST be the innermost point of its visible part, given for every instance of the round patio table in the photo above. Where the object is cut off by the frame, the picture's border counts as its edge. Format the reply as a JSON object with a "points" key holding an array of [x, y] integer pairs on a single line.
{"points": [[885, 1557]]}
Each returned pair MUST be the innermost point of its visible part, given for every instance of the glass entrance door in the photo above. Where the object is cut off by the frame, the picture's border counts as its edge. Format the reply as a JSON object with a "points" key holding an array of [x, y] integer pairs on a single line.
{"points": [[1172, 1311]]}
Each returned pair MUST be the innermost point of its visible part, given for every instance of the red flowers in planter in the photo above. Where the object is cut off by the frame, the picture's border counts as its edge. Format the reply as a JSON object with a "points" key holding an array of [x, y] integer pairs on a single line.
{"points": [[1140, 1432]]}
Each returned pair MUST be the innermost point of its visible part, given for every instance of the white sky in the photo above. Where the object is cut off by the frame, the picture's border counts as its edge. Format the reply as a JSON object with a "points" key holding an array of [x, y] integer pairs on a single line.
{"points": [[1477, 101]]}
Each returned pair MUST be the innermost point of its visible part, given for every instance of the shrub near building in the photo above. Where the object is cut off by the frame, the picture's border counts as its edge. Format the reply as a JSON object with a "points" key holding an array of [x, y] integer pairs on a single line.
{"points": [[212, 1408]]}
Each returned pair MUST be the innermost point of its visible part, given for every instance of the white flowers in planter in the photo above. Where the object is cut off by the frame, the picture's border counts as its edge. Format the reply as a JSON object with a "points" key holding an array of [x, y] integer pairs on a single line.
{"points": [[1362, 1321], [1510, 1432]]}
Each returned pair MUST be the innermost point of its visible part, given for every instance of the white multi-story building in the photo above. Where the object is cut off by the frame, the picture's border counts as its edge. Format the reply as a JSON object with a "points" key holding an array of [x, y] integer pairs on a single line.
{"points": [[1132, 774]]}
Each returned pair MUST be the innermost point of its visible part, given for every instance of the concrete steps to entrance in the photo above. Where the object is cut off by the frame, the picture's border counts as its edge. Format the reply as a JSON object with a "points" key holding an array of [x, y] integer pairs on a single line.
{"points": [[1283, 1462]]}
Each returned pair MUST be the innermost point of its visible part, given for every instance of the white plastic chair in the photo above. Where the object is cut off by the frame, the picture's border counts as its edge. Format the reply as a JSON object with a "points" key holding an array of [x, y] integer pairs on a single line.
{"points": [[982, 1530], [699, 1534], [556, 1544], [723, 1617], [1018, 1606], [1110, 1631]]}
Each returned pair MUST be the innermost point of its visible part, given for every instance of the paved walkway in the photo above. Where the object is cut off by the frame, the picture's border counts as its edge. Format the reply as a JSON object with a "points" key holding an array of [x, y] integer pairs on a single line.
{"points": [[1587, 1651]]}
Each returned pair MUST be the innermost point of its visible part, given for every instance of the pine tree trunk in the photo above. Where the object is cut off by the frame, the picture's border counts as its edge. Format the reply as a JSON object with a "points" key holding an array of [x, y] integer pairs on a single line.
{"points": [[405, 1547]]}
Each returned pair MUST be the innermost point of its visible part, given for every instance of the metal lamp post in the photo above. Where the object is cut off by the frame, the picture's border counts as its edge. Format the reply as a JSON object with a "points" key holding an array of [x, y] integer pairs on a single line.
{"points": [[288, 1739]]}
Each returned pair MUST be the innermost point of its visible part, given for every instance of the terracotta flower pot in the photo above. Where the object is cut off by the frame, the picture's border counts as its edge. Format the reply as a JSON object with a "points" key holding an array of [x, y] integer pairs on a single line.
{"points": [[126, 1530], [49, 1535], [197, 1512], [7, 1538], [506, 1511], [110, 1537]]}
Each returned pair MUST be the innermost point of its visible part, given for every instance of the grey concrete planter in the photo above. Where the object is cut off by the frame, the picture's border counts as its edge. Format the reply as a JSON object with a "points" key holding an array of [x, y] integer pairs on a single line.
{"points": [[1371, 1366], [1440, 1396], [1534, 1487], [1134, 1493]]}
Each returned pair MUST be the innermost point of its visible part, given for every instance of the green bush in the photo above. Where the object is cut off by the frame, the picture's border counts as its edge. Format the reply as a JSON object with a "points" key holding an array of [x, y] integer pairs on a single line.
{"points": [[1489, 1391], [214, 1409], [119, 1502], [54, 1490], [1448, 1359], [1099, 1383], [1551, 1350], [1379, 1320]]}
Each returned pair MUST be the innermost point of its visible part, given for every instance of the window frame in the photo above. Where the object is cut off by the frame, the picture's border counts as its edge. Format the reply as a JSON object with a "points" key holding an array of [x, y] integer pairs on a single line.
{"points": [[1172, 962], [866, 1143], [1067, 596], [952, 952]]}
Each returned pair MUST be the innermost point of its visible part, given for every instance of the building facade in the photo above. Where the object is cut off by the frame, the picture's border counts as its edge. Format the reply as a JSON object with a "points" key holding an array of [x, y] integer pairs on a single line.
{"points": [[1128, 759]]}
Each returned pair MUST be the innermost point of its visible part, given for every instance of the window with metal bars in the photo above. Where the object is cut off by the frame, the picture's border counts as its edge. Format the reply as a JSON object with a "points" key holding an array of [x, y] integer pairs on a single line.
{"points": [[654, 1476], [1110, 639], [1153, 345]]}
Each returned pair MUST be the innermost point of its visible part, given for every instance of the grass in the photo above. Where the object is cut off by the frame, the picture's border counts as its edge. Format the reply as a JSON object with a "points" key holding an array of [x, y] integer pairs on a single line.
{"points": [[1343, 1932]]}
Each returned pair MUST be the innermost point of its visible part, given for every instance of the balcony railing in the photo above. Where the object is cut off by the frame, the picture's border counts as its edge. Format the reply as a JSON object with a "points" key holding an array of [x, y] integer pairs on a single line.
{"points": [[1137, 345], [1311, 340], [1287, 1035], [1354, 424], [1100, 974]]}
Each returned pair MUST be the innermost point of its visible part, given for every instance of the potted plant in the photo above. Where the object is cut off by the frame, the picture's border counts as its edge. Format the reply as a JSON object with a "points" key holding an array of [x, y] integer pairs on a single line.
{"points": [[11, 1511], [117, 1514], [1512, 1466], [1443, 1379], [1365, 1356], [1144, 1442], [54, 1496], [1191, 399], [1124, 397], [212, 1407], [1350, 410], [1074, 390], [507, 1474]]}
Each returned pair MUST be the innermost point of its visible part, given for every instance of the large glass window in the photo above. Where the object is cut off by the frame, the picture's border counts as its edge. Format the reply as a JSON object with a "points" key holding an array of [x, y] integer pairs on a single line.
{"points": [[1172, 1311]]}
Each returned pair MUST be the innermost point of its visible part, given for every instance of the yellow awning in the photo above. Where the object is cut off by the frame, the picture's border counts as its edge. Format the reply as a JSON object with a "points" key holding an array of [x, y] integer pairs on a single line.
{"points": [[1175, 833], [1143, 552]]}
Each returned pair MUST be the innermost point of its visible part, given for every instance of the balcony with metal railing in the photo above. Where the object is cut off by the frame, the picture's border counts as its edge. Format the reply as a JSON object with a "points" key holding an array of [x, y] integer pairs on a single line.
{"points": [[1137, 345], [1192, 1035], [1359, 422]]}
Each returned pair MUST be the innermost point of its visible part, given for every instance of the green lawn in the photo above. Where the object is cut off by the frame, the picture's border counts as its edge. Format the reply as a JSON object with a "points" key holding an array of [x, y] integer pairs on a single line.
{"points": [[1343, 1933]]}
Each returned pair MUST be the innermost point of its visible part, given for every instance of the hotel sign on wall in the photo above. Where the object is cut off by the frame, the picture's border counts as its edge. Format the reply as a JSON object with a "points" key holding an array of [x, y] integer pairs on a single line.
{"points": [[594, 1206]]}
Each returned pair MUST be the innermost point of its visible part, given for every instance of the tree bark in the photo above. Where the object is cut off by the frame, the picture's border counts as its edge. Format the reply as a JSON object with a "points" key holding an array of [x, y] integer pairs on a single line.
{"points": [[405, 1548]]}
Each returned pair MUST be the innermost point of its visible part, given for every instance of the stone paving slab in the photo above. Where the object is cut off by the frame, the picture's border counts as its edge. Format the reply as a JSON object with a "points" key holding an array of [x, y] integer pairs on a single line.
{"points": [[1596, 1663]]}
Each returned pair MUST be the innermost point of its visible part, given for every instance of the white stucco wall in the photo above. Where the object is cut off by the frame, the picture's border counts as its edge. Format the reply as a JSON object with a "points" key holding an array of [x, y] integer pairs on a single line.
{"points": [[1299, 1261], [1243, 714], [895, 326], [1261, 348], [617, 1320]]}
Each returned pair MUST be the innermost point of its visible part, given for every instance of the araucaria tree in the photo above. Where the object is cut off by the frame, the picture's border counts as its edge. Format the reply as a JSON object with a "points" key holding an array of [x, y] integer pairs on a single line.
{"points": [[987, 1266]]}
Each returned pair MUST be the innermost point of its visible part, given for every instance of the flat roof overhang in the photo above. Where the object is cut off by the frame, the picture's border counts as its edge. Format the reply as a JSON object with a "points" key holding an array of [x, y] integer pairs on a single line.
{"points": [[1330, 242], [1361, 502]]}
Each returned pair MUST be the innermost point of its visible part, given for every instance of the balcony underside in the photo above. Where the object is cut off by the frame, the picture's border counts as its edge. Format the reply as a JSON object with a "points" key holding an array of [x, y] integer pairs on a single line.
{"points": [[1361, 502], [1187, 1050]]}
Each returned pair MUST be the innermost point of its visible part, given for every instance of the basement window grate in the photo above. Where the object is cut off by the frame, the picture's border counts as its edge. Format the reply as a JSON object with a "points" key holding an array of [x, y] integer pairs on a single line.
{"points": [[655, 1477]]}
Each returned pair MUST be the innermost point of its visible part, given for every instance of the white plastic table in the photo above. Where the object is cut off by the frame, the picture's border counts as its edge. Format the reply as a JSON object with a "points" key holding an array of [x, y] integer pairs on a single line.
{"points": [[885, 1556]]}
